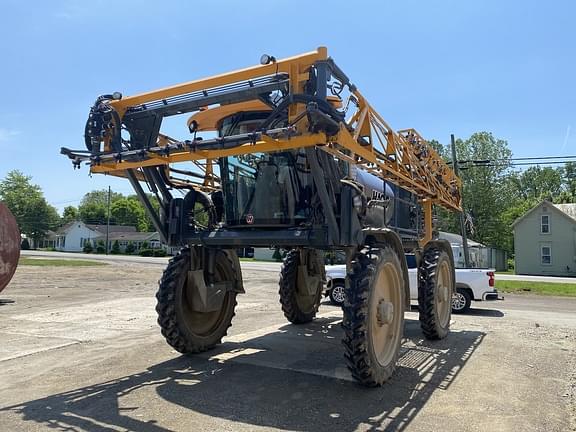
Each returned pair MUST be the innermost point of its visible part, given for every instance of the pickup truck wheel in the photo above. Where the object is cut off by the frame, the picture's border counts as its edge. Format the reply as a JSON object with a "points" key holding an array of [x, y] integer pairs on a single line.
{"points": [[435, 288], [337, 294], [374, 316], [301, 286], [185, 328], [461, 301]]}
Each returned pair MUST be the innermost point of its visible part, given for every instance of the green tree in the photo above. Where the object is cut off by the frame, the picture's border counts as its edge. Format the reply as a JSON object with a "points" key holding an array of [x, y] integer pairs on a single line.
{"points": [[487, 193], [69, 214], [115, 248], [26, 201], [538, 183], [441, 149], [127, 211], [145, 224], [569, 178], [93, 208]]}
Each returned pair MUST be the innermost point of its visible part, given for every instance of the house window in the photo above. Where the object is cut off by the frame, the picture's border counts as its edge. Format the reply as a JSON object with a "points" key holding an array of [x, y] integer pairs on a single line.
{"points": [[545, 224], [546, 255]]}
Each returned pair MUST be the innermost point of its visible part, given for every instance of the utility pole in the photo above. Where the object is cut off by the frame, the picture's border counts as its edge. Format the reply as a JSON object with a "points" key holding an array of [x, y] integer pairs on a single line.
{"points": [[108, 222], [462, 222]]}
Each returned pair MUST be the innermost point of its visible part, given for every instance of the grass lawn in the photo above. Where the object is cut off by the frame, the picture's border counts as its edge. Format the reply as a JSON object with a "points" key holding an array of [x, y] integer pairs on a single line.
{"points": [[510, 272], [59, 262], [544, 288]]}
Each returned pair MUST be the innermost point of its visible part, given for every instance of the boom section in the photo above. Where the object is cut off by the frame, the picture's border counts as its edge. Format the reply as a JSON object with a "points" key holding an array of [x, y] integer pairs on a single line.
{"points": [[320, 106]]}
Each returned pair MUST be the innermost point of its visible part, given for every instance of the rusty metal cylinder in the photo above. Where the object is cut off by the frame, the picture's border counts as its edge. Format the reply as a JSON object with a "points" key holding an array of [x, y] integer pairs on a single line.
{"points": [[9, 245]]}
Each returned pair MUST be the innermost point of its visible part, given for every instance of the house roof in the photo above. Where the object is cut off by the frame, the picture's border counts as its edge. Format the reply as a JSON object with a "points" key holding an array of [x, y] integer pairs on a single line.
{"points": [[569, 209], [457, 238], [65, 227], [97, 228], [112, 228], [50, 235], [566, 210], [134, 236]]}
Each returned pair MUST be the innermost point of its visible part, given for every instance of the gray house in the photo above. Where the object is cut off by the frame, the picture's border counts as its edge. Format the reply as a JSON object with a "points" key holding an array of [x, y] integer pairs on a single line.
{"points": [[545, 240]]}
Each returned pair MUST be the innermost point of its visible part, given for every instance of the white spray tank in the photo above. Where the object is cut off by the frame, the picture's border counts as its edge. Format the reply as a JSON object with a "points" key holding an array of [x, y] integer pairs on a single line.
{"points": [[380, 199]]}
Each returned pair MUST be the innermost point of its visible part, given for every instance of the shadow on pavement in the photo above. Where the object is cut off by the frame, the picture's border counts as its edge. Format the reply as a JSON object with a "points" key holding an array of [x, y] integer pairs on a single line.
{"points": [[485, 312], [295, 393], [471, 312]]}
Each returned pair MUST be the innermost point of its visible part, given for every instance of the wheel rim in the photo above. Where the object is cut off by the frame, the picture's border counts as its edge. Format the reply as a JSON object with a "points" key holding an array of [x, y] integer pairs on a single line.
{"points": [[458, 301], [338, 294], [306, 302], [202, 324], [386, 312], [443, 297]]}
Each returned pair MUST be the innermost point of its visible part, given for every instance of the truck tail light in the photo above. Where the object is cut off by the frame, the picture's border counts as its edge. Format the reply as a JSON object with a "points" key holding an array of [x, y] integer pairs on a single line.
{"points": [[491, 280]]}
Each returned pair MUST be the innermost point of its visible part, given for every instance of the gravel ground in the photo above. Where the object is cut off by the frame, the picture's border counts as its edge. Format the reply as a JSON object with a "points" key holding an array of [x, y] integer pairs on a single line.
{"points": [[81, 351]]}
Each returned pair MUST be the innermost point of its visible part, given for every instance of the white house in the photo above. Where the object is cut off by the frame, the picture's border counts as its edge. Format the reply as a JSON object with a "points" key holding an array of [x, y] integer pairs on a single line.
{"points": [[73, 236]]}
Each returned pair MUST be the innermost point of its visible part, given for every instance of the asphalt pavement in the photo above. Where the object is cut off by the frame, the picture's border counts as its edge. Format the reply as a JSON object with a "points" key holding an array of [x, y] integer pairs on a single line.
{"points": [[81, 351]]}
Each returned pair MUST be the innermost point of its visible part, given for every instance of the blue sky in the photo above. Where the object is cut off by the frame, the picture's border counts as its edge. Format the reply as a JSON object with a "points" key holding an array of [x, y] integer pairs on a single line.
{"points": [[440, 66]]}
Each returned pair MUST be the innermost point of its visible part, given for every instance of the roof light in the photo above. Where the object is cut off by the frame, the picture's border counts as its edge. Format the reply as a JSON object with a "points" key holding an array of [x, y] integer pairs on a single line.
{"points": [[267, 59]]}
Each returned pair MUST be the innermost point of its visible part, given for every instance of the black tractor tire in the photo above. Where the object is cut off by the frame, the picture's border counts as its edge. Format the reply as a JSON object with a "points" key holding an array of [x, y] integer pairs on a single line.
{"points": [[337, 294], [298, 309], [372, 347], [184, 329], [434, 300], [461, 301]]}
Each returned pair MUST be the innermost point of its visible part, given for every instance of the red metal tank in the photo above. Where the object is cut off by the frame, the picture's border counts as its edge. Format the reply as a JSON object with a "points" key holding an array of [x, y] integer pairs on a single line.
{"points": [[9, 245]]}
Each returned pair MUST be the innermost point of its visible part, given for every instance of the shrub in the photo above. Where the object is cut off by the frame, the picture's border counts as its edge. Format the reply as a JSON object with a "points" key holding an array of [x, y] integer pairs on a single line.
{"points": [[88, 247], [25, 245], [100, 247], [277, 256], [146, 252], [159, 253], [130, 248], [510, 263], [115, 248]]}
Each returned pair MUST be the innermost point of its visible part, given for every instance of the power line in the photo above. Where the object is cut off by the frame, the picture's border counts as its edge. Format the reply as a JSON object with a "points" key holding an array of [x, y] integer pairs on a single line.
{"points": [[516, 159]]}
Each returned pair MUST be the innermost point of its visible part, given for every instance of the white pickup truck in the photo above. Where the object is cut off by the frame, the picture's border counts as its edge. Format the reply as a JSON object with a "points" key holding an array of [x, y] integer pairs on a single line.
{"points": [[471, 284]]}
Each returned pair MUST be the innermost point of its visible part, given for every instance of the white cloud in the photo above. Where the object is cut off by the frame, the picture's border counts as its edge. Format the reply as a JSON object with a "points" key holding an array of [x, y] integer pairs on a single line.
{"points": [[6, 134]]}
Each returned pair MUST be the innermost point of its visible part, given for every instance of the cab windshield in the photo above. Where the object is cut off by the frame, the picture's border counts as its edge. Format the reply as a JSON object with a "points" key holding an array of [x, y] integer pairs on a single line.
{"points": [[264, 189]]}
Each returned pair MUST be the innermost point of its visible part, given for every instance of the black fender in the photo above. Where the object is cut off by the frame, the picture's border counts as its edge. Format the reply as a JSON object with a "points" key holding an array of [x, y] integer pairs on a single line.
{"points": [[379, 236]]}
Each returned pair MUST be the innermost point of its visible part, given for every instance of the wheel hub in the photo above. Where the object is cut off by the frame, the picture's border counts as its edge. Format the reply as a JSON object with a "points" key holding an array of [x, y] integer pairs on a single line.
{"points": [[443, 297], [385, 313], [444, 294], [458, 301], [338, 294]]}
